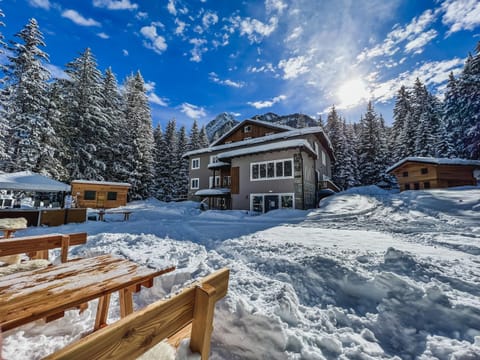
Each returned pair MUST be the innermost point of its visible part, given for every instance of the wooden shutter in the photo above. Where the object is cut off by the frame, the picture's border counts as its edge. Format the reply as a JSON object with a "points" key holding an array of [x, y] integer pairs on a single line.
{"points": [[235, 187]]}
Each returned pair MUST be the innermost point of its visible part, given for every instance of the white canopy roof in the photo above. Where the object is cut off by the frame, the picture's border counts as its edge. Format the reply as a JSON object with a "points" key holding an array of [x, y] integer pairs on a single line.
{"points": [[27, 180]]}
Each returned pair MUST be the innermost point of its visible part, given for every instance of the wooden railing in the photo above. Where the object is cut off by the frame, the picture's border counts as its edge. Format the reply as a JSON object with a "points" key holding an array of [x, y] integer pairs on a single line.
{"points": [[187, 314]]}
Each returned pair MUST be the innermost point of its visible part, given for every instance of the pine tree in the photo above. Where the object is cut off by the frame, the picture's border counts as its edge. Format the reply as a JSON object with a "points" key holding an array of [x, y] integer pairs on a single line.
{"points": [[204, 138], [194, 137], [86, 119], [334, 130], [170, 168], [4, 127], [451, 114], [401, 111], [31, 134], [182, 164], [471, 90], [159, 163], [139, 121]]}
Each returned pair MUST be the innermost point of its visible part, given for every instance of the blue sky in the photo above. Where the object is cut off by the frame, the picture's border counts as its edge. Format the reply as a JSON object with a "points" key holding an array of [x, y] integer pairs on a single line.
{"points": [[203, 57]]}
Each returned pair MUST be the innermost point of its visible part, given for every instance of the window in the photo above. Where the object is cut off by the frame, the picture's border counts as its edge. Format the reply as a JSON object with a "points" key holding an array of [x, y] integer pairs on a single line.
{"points": [[324, 159], [426, 185], [287, 201], [217, 182], [424, 171], [195, 164], [276, 169], [247, 128], [226, 181], [407, 186], [213, 159], [89, 195], [263, 202], [112, 195], [405, 174], [257, 203], [194, 183], [416, 186]]}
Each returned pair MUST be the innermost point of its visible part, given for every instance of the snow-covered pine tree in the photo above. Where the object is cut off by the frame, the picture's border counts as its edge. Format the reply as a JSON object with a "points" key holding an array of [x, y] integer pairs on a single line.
{"points": [[112, 104], [139, 122], [451, 113], [182, 164], [31, 134], [204, 138], [370, 157], [194, 143], [429, 128], [170, 169], [4, 128], [86, 119], [471, 81], [334, 131], [159, 162], [351, 156], [401, 111]]}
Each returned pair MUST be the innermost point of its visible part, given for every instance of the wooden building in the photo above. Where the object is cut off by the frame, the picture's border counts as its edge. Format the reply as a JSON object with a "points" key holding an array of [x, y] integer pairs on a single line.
{"points": [[415, 173], [99, 194]]}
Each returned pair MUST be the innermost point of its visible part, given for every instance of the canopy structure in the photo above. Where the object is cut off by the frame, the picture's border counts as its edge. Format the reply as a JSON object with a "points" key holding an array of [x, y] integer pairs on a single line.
{"points": [[29, 181]]}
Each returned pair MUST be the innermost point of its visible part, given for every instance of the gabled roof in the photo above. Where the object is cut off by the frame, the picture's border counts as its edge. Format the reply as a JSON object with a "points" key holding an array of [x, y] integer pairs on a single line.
{"points": [[287, 144], [251, 121], [30, 181], [109, 183], [262, 139], [435, 161]]}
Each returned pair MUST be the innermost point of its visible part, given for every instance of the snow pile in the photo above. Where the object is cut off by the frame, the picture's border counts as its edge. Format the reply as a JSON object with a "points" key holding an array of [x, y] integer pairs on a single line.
{"points": [[370, 275]]}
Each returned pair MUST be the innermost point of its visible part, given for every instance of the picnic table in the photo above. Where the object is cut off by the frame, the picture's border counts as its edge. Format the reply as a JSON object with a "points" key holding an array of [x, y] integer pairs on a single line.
{"points": [[47, 293], [8, 232], [126, 214]]}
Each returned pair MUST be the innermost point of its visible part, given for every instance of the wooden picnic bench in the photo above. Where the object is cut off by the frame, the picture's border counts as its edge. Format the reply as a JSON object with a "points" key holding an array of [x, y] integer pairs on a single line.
{"points": [[188, 314], [46, 293], [126, 214]]}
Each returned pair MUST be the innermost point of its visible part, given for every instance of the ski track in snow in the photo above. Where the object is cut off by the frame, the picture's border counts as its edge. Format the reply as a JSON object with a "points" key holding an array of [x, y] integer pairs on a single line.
{"points": [[368, 275]]}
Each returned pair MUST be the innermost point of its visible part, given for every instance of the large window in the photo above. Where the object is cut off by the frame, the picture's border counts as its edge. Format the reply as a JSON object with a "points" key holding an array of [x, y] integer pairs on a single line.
{"points": [[259, 202], [195, 163], [194, 183], [277, 169], [210, 182], [89, 195]]}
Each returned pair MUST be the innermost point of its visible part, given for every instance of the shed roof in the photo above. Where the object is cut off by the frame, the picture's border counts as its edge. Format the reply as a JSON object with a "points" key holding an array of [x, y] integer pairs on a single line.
{"points": [[109, 183], [213, 192], [435, 161], [30, 181]]}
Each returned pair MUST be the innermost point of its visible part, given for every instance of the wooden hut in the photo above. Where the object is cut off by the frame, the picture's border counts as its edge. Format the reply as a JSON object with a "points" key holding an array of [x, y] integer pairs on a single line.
{"points": [[99, 194], [415, 173]]}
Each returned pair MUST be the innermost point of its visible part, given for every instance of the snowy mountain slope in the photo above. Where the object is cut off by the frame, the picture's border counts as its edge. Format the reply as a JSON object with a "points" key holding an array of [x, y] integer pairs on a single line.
{"points": [[220, 125], [369, 275]]}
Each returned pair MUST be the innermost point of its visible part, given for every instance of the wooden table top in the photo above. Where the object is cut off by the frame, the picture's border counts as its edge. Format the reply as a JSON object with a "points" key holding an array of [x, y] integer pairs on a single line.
{"points": [[31, 295]]}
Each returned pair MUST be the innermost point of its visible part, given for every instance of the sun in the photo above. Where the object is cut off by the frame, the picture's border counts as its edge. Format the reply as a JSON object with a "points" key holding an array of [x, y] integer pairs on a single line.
{"points": [[352, 92]]}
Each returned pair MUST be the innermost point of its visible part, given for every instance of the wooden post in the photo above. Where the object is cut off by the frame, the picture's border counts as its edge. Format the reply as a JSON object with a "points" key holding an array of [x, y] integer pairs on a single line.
{"points": [[102, 312], [126, 302], [65, 245], [202, 325]]}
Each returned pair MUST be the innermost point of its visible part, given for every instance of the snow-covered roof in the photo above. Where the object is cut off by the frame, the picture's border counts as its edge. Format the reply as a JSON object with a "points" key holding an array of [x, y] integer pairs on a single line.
{"points": [[217, 164], [212, 192], [259, 122], [287, 144], [30, 181], [110, 183], [261, 139], [431, 160]]}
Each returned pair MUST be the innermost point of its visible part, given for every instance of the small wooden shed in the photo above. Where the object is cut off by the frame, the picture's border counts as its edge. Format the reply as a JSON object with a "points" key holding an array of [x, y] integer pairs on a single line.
{"points": [[99, 194], [415, 173]]}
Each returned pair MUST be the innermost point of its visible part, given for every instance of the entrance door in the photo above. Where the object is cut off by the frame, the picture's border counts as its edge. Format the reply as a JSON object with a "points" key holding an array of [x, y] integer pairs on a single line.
{"points": [[271, 202], [101, 199]]}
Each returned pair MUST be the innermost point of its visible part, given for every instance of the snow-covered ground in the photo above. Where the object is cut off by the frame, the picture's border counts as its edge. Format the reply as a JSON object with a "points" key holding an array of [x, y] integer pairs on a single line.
{"points": [[369, 275]]}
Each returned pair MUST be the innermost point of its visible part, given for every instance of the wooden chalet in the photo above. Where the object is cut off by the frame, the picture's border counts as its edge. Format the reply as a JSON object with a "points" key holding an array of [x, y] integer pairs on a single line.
{"points": [[99, 194], [415, 173]]}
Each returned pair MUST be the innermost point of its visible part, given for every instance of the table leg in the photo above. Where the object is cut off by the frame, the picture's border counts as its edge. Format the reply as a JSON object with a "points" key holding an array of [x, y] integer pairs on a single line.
{"points": [[126, 302], [102, 312]]}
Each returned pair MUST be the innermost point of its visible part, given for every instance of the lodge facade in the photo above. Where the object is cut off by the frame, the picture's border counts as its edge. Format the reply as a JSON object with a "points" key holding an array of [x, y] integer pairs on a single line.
{"points": [[261, 166]]}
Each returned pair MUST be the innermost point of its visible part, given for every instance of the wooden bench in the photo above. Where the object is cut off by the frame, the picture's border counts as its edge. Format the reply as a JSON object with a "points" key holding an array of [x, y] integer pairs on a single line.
{"points": [[187, 314], [102, 213], [37, 246]]}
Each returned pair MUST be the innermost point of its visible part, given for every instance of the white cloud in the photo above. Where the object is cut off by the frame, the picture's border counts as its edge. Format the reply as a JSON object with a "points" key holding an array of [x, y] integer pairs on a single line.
{"points": [[152, 97], [180, 27], [275, 6], [44, 4], [171, 7], [295, 34], [293, 67], [267, 103], [254, 29], [417, 44], [236, 84], [156, 42], [268, 67], [432, 73], [193, 111], [115, 4], [141, 15], [125, 52], [198, 49], [56, 72], [209, 18], [461, 14], [410, 32], [103, 35], [79, 19]]}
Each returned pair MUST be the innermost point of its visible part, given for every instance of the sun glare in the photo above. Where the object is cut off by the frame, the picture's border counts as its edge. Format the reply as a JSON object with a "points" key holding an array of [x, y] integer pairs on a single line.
{"points": [[352, 92]]}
